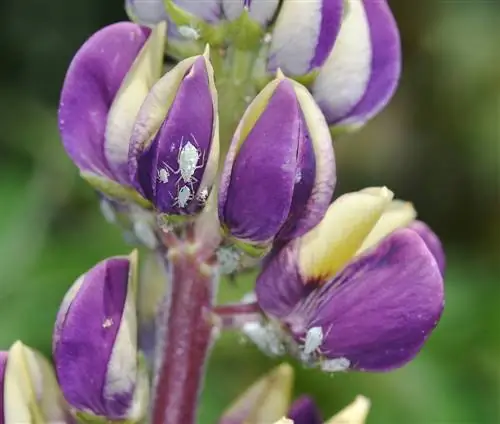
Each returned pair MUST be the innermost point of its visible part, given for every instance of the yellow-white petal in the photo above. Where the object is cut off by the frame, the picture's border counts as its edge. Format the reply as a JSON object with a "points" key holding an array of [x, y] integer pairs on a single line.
{"points": [[144, 73], [334, 241], [398, 214], [355, 413], [265, 401], [31, 393]]}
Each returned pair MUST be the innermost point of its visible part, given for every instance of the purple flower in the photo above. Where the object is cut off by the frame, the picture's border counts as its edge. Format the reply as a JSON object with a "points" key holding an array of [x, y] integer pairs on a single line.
{"points": [[304, 34], [104, 87], [362, 70], [174, 148], [359, 291], [95, 344], [279, 174], [28, 388]]}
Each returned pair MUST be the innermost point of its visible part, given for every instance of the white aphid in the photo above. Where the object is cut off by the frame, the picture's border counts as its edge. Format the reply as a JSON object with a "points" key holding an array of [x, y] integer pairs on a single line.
{"points": [[336, 364], [314, 339], [184, 197], [265, 338], [163, 173], [188, 158], [189, 32]]}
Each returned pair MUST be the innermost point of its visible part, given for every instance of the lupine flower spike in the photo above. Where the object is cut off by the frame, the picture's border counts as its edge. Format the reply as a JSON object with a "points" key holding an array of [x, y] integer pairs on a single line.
{"points": [[356, 284]]}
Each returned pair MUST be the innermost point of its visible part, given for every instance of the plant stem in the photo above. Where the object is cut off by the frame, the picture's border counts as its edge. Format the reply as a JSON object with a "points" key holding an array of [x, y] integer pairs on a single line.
{"points": [[184, 336]]}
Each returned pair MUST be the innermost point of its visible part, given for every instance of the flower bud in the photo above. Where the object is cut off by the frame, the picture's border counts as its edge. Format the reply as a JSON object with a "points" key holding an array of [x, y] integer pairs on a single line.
{"points": [[362, 70], [174, 147], [304, 34], [95, 344], [279, 173], [304, 411], [265, 401], [28, 388], [104, 87]]}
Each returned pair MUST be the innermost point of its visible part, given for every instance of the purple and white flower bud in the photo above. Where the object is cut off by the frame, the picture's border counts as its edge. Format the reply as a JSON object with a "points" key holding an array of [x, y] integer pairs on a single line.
{"points": [[362, 290], [95, 344], [28, 389], [174, 148], [104, 87], [279, 173], [304, 34], [362, 70]]}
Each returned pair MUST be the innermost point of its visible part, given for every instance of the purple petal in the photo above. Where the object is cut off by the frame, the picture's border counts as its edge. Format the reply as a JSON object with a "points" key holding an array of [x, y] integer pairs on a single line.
{"points": [[3, 364], [362, 72], [378, 312], [304, 35], [164, 174], [259, 187], [316, 176], [84, 338], [304, 183], [279, 286], [92, 80], [432, 241], [304, 411]]}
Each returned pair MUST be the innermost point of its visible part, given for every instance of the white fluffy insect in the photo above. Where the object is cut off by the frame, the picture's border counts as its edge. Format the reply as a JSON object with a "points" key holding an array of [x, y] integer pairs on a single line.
{"points": [[183, 197], [188, 158], [313, 340], [336, 364]]}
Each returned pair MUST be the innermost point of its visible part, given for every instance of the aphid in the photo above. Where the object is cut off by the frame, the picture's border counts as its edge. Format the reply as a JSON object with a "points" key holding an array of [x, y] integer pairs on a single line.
{"points": [[337, 364], [189, 32], [183, 197], [163, 174], [188, 158], [314, 338]]}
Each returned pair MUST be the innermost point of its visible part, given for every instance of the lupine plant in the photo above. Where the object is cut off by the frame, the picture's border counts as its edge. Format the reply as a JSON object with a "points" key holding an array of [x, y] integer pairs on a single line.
{"points": [[205, 127]]}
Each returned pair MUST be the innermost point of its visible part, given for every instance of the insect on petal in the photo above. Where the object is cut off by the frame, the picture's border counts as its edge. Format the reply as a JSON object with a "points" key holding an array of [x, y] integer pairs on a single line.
{"points": [[382, 307]]}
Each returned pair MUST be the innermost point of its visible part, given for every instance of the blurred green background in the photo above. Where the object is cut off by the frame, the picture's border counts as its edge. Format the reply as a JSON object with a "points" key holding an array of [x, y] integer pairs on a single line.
{"points": [[437, 144]]}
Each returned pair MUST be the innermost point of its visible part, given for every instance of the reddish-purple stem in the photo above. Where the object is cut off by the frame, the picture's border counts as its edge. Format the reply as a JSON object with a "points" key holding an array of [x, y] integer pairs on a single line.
{"points": [[185, 334]]}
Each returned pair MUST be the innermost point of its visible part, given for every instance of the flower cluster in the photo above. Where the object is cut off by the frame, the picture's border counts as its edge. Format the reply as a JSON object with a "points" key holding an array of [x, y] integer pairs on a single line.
{"points": [[219, 163]]}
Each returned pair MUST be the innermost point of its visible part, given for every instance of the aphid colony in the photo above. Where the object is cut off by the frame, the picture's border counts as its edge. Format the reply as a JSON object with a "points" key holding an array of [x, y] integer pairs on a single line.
{"points": [[187, 159]]}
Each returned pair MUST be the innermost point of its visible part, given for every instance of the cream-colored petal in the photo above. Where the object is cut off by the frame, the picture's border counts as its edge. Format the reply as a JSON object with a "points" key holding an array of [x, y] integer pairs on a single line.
{"points": [[265, 401], [334, 241], [157, 104], [398, 214], [284, 421], [121, 374], [143, 74], [355, 413], [31, 393]]}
